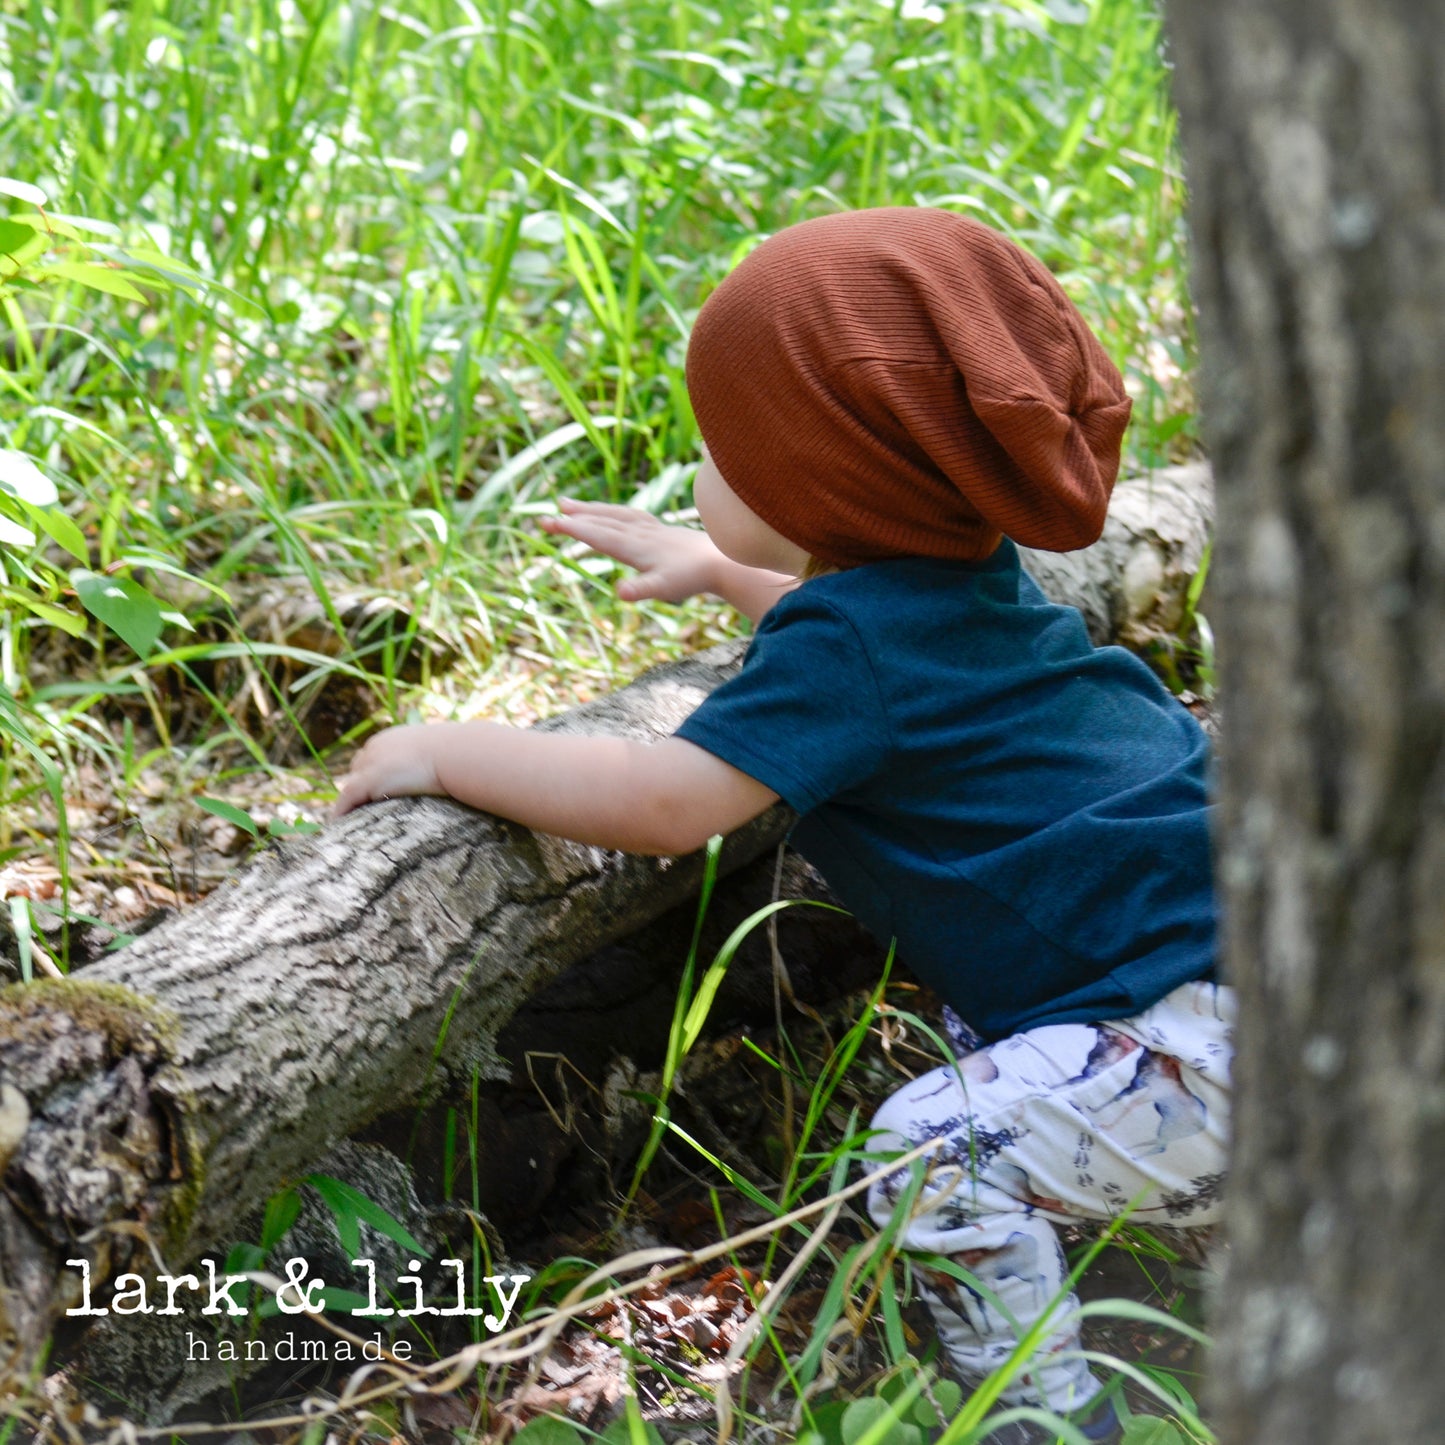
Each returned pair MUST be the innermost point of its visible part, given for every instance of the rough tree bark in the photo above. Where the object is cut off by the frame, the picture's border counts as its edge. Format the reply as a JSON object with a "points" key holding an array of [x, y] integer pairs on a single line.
{"points": [[1315, 142], [173, 1086]]}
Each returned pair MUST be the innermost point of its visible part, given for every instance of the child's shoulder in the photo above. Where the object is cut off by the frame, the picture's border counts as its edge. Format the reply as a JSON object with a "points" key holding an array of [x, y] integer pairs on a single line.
{"points": [[984, 623]]}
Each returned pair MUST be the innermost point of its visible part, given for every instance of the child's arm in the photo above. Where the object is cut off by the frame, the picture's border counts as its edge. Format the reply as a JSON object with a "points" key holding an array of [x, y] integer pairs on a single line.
{"points": [[667, 797], [672, 562]]}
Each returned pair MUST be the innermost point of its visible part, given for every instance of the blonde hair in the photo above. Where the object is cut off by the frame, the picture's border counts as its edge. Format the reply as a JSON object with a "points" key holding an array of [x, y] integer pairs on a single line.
{"points": [[816, 567]]}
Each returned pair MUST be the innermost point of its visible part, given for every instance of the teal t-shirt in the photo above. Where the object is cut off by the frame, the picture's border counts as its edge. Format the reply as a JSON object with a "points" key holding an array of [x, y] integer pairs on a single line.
{"points": [[1025, 813]]}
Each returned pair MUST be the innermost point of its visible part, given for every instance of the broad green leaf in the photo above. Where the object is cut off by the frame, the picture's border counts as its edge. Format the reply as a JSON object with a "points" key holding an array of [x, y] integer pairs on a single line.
{"points": [[872, 1418], [238, 817], [341, 1301], [277, 829], [281, 1211], [24, 252], [86, 223], [55, 616], [242, 1257], [124, 606], [828, 1420], [43, 224], [1144, 1430], [97, 278], [547, 1430], [22, 478], [22, 191], [168, 271], [349, 1206], [61, 530], [949, 1394], [13, 235]]}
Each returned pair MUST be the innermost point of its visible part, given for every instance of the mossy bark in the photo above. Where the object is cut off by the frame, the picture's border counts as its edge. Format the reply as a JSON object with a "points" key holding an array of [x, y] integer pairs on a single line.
{"points": [[174, 1085]]}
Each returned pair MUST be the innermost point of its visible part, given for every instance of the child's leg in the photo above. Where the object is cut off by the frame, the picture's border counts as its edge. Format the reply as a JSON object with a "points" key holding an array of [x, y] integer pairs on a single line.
{"points": [[1064, 1122]]}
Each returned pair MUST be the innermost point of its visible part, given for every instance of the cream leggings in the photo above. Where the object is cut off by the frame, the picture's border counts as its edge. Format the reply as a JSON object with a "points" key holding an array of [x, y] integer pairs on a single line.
{"points": [[1061, 1123]]}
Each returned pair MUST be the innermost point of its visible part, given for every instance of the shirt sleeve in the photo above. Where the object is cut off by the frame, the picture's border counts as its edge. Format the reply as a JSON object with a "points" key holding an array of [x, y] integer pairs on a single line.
{"points": [[804, 716]]}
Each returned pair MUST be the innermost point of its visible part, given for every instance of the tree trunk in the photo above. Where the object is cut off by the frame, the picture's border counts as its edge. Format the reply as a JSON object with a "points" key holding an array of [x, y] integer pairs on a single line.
{"points": [[174, 1085], [1315, 142]]}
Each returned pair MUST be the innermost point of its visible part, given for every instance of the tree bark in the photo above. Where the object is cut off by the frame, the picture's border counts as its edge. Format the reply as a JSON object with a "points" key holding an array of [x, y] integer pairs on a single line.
{"points": [[169, 1089], [1315, 142]]}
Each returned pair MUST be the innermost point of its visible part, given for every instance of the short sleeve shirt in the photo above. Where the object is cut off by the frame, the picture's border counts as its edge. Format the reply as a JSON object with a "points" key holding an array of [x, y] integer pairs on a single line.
{"points": [[1026, 814]]}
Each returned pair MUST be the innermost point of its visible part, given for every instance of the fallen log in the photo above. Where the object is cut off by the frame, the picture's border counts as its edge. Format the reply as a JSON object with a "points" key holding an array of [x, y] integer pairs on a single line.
{"points": [[557, 1140], [149, 1102]]}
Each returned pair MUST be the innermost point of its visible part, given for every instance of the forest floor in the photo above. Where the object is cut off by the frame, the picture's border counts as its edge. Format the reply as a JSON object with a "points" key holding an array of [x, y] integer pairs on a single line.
{"points": [[714, 1180]]}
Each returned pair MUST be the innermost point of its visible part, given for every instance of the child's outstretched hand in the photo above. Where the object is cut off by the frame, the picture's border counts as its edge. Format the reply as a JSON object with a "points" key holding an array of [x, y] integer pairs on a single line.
{"points": [[397, 763], [673, 562]]}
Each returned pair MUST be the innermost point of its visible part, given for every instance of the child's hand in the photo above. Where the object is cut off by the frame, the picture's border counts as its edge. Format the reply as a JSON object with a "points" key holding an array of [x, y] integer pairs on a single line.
{"points": [[673, 563], [395, 764]]}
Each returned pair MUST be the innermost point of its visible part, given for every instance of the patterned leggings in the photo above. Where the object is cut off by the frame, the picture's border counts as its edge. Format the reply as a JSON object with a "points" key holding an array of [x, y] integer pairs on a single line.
{"points": [[1062, 1123]]}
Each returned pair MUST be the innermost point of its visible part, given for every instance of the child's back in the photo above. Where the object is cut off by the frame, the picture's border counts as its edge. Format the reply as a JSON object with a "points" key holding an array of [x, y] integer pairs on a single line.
{"points": [[1023, 812]]}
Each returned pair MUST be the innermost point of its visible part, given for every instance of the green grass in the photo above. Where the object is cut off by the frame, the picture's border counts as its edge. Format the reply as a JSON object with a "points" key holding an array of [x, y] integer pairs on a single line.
{"points": [[452, 254]]}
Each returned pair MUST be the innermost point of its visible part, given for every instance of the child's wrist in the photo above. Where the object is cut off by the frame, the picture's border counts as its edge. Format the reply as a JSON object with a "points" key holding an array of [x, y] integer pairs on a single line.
{"points": [[450, 752], [713, 572], [731, 579]]}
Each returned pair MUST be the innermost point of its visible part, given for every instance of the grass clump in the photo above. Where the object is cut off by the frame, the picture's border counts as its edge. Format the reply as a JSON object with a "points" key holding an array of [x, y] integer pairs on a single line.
{"points": [[790, 1318]]}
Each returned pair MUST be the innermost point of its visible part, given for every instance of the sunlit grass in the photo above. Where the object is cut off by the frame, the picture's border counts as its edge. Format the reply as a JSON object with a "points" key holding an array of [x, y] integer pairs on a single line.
{"points": [[452, 254]]}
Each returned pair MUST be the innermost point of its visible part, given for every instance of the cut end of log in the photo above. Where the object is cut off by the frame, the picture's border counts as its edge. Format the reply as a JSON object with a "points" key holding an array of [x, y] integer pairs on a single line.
{"points": [[85, 1141]]}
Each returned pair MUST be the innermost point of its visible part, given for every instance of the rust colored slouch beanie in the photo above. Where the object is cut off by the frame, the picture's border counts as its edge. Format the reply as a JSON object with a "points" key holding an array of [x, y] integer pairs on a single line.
{"points": [[905, 382]]}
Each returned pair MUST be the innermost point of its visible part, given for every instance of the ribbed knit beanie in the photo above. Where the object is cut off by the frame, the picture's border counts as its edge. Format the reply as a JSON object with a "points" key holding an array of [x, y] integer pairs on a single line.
{"points": [[906, 382]]}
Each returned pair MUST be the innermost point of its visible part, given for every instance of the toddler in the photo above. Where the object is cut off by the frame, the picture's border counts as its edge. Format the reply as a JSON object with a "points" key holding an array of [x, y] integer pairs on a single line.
{"points": [[890, 400]]}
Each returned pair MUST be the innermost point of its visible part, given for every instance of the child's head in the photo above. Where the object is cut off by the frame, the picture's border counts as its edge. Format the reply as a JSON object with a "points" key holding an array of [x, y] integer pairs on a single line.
{"points": [[906, 382]]}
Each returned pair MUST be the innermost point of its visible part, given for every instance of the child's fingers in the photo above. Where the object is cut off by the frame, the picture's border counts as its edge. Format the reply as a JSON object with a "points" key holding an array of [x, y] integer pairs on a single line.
{"points": [[353, 794], [609, 514], [640, 587], [666, 557], [574, 523], [665, 584], [573, 507], [579, 529], [603, 534]]}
